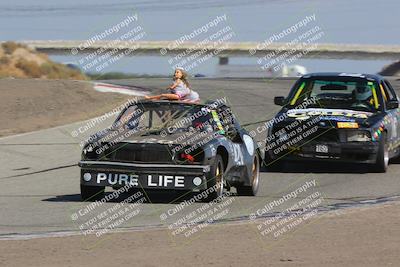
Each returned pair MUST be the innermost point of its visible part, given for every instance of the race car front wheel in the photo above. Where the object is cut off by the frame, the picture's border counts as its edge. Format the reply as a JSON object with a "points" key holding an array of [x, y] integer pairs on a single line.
{"points": [[382, 158], [251, 190], [216, 181], [91, 193]]}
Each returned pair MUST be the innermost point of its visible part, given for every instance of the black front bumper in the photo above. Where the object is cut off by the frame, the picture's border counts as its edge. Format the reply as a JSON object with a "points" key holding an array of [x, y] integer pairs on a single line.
{"points": [[147, 176], [354, 152]]}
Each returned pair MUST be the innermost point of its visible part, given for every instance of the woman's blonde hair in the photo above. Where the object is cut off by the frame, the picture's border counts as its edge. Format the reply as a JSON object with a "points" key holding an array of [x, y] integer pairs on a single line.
{"points": [[184, 76]]}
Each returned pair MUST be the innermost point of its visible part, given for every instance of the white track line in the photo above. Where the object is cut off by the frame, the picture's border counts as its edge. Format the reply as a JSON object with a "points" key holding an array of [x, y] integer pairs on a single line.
{"points": [[112, 88]]}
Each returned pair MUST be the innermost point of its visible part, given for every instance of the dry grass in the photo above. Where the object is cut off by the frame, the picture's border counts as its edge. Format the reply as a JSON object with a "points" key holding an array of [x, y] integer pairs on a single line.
{"points": [[10, 47], [19, 61]]}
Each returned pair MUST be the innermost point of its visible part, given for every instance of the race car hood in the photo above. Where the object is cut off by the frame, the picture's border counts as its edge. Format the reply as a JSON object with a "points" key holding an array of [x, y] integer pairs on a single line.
{"points": [[332, 115], [111, 135], [180, 138]]}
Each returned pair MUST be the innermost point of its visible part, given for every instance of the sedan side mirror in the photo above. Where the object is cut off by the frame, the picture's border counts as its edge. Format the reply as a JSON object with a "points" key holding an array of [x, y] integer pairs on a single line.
{"points": [[392, 104], [279, 100]]}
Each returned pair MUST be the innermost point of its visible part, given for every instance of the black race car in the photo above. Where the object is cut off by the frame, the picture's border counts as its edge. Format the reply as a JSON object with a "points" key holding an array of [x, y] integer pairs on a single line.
{"points": [[170, 145], [336, 117]]}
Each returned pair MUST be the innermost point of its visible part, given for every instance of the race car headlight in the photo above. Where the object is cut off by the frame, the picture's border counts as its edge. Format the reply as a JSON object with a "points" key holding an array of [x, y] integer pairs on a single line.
{"points": [[88, 149], [358, 136], [88, 152]]}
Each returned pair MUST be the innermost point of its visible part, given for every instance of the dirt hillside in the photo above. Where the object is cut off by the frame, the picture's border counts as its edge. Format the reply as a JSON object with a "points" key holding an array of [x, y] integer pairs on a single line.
{"points": [[33, 104]]}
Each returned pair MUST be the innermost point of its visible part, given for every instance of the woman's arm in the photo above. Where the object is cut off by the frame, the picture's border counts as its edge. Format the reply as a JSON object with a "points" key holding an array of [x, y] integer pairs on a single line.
{"points": [[175, 84]]}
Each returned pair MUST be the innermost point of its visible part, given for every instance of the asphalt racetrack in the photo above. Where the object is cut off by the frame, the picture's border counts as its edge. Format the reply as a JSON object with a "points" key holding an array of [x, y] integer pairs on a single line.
{"points": [[39, 176]]}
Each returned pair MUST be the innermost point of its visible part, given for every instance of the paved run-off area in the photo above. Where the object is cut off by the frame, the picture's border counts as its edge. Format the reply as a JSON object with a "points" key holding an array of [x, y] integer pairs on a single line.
{"points": [[39, 188], [358, 237]]}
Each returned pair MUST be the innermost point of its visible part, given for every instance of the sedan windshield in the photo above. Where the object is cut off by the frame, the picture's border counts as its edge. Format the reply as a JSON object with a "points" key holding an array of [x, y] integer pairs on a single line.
{"points": [[337, 93], [154, 118]]}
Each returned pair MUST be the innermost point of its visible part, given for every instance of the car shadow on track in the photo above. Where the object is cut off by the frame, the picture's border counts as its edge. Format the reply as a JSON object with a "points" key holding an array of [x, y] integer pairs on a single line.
{"points": [[152, 197], [319, 167], [64, 198]]}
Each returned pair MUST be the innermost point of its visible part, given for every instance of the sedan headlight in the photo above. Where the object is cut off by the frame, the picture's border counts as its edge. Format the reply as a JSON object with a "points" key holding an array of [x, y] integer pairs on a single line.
{"points": [[358, 136]]}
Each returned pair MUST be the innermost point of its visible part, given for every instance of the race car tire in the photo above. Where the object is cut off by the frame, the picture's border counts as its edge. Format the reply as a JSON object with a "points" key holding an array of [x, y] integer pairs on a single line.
{"points": [[216, 181], [251, 190], [382, 158], [91, 193]]}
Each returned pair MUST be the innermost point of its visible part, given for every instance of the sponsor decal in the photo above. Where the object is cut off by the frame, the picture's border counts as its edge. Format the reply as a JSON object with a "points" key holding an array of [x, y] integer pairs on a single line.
{"points": [[165, 181], [336, 118], [118, 178], [303, 114], [352, 74], [378, 132], [348, 125], [159, 181], [217, 121]]}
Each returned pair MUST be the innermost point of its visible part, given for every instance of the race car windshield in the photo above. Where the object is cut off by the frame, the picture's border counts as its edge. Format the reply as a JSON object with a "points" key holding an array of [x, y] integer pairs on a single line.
{"points": [[154, 118], [336, 93]]}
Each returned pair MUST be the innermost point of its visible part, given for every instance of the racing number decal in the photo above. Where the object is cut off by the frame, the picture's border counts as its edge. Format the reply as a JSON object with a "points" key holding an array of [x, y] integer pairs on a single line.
{"points": [[237, 154]]}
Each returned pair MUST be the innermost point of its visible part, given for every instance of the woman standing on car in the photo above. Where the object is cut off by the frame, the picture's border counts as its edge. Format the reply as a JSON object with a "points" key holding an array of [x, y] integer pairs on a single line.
{"points": [[180, 89]]}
